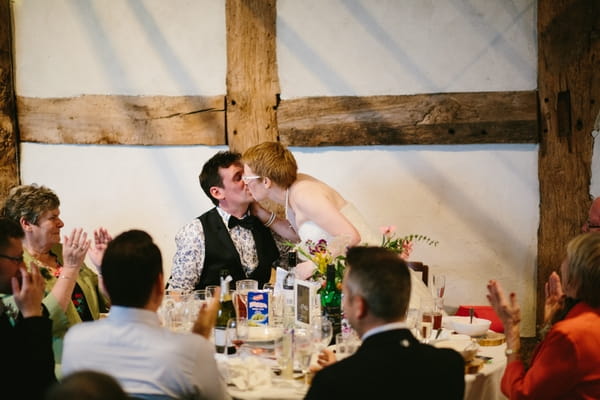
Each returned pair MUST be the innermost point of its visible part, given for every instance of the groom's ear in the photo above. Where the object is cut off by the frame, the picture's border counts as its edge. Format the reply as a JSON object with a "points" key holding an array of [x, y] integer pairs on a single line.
{"points": [[216, 192]]}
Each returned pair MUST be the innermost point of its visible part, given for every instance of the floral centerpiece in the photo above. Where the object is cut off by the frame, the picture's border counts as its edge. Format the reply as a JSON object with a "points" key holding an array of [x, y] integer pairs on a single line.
{"points": [[322, 253], [402, 245]]}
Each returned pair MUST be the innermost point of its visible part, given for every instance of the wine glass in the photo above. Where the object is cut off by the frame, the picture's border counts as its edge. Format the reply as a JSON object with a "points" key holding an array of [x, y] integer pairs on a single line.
{"points": [[439, 283], [426, 322], [326, 332], [411, 318], [237, 332], [303, 350]]}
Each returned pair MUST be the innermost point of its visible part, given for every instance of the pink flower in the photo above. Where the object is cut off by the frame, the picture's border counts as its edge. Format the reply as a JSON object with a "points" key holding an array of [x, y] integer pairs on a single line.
{"points": [[388, 231], [406, 249]]}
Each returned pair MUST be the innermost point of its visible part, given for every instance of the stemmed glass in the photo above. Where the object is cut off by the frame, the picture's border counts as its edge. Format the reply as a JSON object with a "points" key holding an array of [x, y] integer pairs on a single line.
{"points": [[237, 333], [303, 350], [439, 283], [322, 332]]}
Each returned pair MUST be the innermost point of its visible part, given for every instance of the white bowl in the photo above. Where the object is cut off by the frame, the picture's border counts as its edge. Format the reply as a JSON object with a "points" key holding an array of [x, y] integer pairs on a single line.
{"points": [[462, 325]]}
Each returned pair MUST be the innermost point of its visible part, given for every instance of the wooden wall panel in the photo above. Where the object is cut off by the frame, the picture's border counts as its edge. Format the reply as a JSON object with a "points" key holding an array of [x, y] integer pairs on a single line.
{"points": [[131, 120], [443, 118], [569, 95], [9, 161], [252, 80]]}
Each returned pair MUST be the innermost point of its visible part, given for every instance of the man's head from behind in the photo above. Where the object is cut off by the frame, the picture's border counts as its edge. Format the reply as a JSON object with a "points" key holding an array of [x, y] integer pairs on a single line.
{"points": [[376, 287], [131, 268], [11, 252]]}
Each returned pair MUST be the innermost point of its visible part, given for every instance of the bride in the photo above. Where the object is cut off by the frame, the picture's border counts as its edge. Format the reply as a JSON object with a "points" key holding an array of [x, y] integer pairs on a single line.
{"points": [[314, 209]]}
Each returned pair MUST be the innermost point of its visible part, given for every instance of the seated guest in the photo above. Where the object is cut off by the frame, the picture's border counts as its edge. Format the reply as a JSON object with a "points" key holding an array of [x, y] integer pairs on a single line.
{"points": [[566, 364], [593, 222], [227, 236], [27, 366], [87, 385], [376, 290], [148, 360], [72, 288]]}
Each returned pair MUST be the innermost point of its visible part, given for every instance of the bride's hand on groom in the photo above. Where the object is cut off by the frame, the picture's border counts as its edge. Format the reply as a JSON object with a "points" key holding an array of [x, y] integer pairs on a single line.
{"points": [[304, 270]]}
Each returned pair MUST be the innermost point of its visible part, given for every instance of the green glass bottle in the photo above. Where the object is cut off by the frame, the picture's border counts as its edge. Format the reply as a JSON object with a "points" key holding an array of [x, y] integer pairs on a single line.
{"points": [[331, 301], [226, 312]]}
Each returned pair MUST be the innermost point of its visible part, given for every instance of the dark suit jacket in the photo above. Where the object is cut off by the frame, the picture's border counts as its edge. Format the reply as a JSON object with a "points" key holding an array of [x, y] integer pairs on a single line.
{"points": [[27, 367], [392, 364]]}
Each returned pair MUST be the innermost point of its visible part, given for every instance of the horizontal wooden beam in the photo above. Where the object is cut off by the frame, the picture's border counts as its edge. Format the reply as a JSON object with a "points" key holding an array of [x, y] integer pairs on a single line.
{"points": [[129, 120], [443, 118]]}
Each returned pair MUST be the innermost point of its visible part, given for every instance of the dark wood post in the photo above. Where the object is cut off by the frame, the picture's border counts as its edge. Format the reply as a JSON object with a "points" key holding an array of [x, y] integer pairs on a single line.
{"points": [[9, 157], [252, 80], [569, 93]]}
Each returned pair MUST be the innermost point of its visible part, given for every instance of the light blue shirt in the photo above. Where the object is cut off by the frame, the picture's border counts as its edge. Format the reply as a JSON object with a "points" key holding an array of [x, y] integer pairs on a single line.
{"points": [[143, 356]]}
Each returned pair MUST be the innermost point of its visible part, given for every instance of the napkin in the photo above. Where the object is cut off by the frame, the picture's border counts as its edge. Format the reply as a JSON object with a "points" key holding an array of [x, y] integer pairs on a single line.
{"points": [[245, 373]]}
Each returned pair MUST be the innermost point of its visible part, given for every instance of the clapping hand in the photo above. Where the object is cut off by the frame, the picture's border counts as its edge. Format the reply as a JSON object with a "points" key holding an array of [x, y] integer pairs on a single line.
{"points": [[101, 240], [75, 248], [554, 297], [508, 310], [29, 292]]}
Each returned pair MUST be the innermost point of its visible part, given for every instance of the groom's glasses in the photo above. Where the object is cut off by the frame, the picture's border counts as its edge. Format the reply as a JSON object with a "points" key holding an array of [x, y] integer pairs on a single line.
{"points": [[247, 179]]}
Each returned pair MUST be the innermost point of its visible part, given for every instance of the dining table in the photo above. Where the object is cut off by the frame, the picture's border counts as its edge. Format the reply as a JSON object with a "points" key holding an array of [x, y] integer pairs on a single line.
{"points": [[484, 384]]}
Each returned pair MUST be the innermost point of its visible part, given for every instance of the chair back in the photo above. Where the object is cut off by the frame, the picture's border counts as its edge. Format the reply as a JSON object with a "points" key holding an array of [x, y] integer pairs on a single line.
{"points": [[422, 268]]}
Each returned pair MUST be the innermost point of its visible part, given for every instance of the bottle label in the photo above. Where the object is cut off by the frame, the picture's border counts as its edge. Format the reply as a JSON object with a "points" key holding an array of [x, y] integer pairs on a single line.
{"points": [[220, 336], [334, 314]]}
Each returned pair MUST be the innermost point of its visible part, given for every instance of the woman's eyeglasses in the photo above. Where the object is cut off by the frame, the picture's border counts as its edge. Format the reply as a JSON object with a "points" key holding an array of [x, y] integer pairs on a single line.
{"points": [[247, 179]]}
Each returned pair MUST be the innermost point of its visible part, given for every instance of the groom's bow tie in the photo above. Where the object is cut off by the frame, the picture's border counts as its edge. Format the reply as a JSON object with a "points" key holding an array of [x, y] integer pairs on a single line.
{"points": [[249, 222]]}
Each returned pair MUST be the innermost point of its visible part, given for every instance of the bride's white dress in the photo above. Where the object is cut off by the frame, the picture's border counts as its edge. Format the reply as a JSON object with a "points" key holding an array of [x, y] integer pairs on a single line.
{"points": [[310, 230]]}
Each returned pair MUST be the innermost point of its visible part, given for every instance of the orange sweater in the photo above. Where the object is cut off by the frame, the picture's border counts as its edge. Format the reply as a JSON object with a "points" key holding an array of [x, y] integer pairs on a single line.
{"points": [[566, 364]]}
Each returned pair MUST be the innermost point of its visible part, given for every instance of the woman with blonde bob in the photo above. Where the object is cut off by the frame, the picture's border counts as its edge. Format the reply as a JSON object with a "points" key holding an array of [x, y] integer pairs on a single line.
{"points": [[566, 364]]}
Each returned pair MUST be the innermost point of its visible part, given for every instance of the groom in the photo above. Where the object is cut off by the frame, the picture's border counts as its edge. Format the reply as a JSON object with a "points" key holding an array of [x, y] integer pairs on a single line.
{"points": [[225, 237]]}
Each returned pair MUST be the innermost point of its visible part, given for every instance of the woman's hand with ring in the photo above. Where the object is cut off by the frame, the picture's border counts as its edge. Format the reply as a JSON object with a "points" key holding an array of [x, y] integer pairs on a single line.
{"points": [[75, 248]]}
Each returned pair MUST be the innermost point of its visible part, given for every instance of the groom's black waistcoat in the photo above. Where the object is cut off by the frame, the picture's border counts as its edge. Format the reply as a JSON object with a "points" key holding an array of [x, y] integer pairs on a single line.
{"points": [[220, 252]]}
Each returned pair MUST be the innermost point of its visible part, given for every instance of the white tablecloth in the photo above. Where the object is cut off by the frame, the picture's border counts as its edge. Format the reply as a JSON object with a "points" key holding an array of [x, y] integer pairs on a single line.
{"points": [[483, 385], [486, 383]]}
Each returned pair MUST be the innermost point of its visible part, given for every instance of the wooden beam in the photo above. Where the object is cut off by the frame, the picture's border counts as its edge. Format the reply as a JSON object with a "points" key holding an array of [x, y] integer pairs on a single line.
{"points": [[252, 80], [130, 120], [443, 118], [569, 91], [9, 156]]}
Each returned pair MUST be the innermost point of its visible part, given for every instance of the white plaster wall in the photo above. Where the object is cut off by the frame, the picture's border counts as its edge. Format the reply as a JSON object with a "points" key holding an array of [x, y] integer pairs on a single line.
{"points": [[149, 47], [480, 202], [360, 47]]}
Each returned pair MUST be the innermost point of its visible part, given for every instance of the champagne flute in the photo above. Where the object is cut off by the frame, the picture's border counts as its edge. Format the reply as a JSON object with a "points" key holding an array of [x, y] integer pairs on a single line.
{"points": [[439, 283]]}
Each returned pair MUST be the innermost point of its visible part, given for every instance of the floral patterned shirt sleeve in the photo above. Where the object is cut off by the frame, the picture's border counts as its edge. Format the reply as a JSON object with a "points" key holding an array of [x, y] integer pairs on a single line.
{"points": [[189, 256]]}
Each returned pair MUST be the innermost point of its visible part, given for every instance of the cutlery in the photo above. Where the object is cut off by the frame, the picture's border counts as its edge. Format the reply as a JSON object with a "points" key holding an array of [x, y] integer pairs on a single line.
{"points": [[471, 312]]}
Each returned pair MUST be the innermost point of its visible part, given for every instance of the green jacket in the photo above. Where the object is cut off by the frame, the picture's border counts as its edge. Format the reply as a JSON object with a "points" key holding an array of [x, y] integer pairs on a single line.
{"points": [[61, 320]]}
